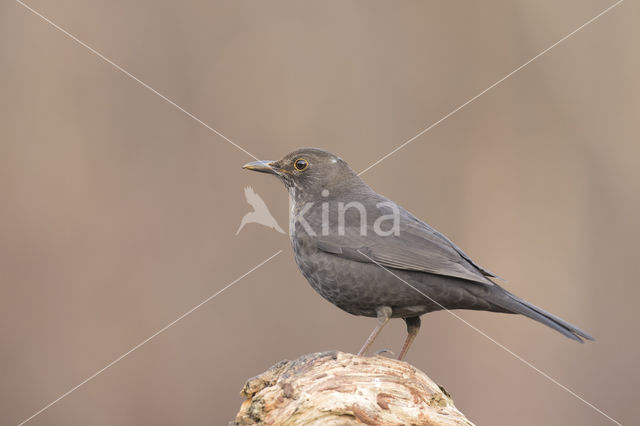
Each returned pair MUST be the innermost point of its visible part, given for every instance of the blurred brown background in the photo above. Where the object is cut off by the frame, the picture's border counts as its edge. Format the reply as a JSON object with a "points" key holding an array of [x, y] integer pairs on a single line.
{"points": [[118, 211]]}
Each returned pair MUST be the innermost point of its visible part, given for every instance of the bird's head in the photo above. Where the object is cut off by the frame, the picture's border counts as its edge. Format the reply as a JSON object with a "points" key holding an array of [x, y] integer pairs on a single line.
{"points": [[310, 171]]}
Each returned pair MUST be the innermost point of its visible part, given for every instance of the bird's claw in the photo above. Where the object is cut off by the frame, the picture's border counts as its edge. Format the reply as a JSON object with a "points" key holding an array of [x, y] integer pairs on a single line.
{"points": [[385, 352]]}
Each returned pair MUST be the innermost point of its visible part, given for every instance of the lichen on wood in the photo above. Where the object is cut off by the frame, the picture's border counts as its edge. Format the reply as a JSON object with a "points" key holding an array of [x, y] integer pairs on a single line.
{"points": [[336, 388]]}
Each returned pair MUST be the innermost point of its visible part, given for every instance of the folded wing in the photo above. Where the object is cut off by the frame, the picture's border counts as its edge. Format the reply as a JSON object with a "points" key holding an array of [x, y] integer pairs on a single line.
{"points": [[417, 247]]}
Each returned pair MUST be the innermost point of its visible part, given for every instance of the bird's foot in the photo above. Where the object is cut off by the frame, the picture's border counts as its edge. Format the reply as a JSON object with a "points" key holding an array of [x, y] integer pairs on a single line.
{"points": [[385, 352]]}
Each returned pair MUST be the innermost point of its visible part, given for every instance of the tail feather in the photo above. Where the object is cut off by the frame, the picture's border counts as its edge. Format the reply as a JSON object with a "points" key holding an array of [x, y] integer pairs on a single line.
{"points": [[517, 305]]}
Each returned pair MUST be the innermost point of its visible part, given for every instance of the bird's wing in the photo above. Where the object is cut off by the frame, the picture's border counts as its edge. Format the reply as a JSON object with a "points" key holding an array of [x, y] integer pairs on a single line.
{"points": [[429, 230], [254, 200], [418, 247]]}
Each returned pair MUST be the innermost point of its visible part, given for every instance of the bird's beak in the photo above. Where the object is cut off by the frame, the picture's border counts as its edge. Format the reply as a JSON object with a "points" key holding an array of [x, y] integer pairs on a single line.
{"points": [[262, 167]]}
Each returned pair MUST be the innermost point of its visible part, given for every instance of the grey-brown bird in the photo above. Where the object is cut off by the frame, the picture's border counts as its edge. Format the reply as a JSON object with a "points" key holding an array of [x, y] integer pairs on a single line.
{"points": [[369, 256]]}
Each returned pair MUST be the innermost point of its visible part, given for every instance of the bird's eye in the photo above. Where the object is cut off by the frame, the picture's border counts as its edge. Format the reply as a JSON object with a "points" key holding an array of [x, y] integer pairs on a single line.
{"points": [[300, 164]]}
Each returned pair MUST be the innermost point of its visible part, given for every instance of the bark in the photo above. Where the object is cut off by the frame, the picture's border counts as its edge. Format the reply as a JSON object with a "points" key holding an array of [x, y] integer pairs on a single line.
{"points": [[336, 388]]}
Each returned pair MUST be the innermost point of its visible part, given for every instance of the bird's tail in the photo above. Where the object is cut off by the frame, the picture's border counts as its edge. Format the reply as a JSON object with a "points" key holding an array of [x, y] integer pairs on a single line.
{"points": [[514, 304]]}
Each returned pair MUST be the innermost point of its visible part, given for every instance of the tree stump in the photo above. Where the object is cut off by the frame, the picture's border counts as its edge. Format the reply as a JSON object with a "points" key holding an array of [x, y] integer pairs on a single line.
{"points": [[336, 388]]}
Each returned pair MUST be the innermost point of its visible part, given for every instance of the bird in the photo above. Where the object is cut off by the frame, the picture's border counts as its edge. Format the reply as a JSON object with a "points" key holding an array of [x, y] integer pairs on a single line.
{"points": [[260, 213], [370, 257]]}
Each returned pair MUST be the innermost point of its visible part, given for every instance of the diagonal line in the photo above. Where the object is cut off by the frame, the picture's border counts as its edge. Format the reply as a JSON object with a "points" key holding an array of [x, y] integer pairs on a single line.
{"points": [[133, 77], [498, 343], [492, 86], [163, 329]]}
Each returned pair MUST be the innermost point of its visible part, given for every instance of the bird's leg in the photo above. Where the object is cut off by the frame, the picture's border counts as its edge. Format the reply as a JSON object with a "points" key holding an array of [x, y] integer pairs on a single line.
{"points": [[384, 315], [413, 326]]}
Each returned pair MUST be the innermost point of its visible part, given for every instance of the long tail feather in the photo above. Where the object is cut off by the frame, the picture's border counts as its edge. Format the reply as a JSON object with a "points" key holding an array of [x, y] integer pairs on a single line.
{"points": [[517, 305]]}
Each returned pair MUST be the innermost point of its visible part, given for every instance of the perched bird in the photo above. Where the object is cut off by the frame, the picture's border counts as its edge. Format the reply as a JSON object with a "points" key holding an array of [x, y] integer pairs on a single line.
{"points": [[260, 213], [370, 257]]}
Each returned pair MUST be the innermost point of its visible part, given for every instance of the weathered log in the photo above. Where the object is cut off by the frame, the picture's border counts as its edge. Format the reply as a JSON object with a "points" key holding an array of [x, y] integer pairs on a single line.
{"points": [[336, 388]]}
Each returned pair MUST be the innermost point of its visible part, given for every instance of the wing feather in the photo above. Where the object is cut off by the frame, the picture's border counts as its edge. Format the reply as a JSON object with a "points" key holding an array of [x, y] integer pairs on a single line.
{"points": [[418, 247]]}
